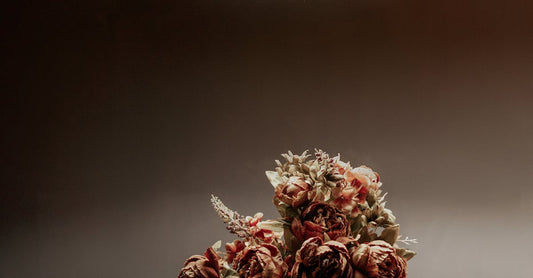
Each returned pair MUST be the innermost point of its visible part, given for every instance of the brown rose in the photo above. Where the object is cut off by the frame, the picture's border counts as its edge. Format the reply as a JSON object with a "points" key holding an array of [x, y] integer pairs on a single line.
{"points": [[232, 249], [318, 259], [260, 261], [197, 266], [378, 259], [295, 192], [319, 218]]}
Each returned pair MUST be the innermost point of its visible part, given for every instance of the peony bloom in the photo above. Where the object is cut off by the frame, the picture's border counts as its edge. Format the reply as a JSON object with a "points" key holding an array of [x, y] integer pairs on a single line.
{"points": [[318, 259], [202, 266], [378, 259], [295, 192], [319, 218], [260, 261]]}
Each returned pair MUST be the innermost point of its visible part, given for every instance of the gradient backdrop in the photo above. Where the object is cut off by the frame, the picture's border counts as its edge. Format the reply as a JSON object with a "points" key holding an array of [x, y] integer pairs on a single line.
{"points": [[120, 118]]}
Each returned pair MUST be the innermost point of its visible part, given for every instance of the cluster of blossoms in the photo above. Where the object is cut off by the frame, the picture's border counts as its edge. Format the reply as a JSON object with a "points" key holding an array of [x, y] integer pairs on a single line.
{"points": [[333, 224]]}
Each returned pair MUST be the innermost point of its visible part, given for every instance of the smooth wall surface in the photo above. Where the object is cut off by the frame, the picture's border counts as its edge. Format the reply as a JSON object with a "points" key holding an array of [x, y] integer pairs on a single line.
{"points": [[121, 118]]}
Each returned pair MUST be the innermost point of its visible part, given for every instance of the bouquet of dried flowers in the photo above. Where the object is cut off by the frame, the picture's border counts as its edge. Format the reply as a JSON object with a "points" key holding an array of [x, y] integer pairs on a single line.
{"points": [[333, 224]]}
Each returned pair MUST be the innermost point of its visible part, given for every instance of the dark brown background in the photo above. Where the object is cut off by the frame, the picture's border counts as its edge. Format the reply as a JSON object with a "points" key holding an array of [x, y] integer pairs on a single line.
{"points": [[120, 119]]}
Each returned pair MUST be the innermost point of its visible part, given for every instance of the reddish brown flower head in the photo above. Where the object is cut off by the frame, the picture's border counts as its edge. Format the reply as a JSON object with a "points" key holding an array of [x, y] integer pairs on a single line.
{"points": [[260, 261], [295, 192], [378, 259], [265, 235], [232, 249], [318, 259], [319, 219], [206, 266]]}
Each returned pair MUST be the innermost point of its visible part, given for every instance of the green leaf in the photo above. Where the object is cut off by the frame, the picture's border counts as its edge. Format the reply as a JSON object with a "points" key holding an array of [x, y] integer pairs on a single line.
{"points": [[216, 245], [274, 178], [357, 224], [285, 210], [273, 225], [291, 241], [390, 234], [405, 253], [228, 272], [367, 234], [409, 254], [389, 216]]}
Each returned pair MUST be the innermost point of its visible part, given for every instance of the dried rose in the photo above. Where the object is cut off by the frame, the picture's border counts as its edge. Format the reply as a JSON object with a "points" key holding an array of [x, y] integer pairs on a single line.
{"points": [[355, 187], [366, 176], [319, 218], [318, 259], [232, 249], [265, 231], [258, 261], [378, 259], [346, 198], [295, 192], [206, 266]]}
